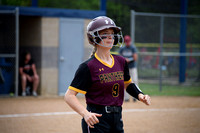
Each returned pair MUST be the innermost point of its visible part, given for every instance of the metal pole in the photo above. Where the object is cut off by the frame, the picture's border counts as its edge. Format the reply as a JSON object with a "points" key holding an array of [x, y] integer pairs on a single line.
{"points": [[166, 15], [133, 26], [103, 5], [16, 50], [161, 49], [183, 41], [34, 3]]}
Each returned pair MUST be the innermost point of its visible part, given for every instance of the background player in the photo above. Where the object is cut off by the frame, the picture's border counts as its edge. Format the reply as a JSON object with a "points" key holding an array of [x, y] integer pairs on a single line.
{"points": [[102, 79], [130, 53]]}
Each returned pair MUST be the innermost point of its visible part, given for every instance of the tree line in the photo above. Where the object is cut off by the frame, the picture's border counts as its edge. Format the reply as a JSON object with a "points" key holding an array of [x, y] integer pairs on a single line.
{"points": [[118, 10]]}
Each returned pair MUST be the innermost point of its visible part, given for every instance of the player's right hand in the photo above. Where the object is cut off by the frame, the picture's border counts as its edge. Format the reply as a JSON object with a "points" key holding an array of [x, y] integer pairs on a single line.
{"points": [[145, 99], [91, 118]]}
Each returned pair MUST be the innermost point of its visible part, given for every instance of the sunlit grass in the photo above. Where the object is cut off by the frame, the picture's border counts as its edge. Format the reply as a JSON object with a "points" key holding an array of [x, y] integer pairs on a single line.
{"points": [[170, 90]]}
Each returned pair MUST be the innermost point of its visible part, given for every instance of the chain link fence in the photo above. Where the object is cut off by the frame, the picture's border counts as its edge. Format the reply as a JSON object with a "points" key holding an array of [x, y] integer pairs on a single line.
{"points": [[157, 38], [9, 52]]}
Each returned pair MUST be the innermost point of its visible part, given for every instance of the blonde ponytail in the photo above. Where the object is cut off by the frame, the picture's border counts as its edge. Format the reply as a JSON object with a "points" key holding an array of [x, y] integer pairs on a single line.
{"points": [[93, 51]]}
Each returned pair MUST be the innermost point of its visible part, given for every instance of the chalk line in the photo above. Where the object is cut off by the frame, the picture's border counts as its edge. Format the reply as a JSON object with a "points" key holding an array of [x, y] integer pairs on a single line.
{"points": [[72, 112]]}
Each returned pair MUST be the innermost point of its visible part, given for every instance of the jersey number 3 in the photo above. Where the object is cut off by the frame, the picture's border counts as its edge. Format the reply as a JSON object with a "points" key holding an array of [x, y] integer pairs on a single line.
{"points": [[115, 90]]}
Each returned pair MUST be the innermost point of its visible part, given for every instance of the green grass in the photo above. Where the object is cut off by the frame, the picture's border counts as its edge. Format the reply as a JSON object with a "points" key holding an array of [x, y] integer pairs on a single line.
{"points": [[170, 90]]}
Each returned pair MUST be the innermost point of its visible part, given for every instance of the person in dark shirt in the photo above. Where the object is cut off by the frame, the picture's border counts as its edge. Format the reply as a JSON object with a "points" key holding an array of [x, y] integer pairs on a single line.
{"points": [[102, 79], [27, 70]]}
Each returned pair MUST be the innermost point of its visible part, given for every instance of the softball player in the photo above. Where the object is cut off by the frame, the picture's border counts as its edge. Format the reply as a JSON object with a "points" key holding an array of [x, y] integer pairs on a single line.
{"points": [[102, 79]]}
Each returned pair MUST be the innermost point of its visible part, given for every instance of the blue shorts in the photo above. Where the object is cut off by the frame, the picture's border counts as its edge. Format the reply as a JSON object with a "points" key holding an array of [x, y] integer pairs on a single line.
{"points": [[109, 122]]}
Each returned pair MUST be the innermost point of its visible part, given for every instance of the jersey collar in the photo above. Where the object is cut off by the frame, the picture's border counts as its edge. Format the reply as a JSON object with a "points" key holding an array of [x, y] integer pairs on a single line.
{"points": [[106, 64]]}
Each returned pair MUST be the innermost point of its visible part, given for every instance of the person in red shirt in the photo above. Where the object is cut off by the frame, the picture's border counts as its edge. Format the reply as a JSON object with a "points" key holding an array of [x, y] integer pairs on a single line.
{"points": [[129, 52]]}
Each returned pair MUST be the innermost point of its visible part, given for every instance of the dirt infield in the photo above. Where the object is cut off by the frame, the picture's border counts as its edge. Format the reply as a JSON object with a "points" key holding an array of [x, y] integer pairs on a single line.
{"points": [[52, 115]]}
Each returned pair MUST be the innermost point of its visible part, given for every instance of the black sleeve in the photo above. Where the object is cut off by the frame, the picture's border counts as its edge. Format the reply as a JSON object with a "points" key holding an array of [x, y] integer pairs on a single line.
{"points": [[126, 72], [31, 62], [82, 79], [133, 90]]}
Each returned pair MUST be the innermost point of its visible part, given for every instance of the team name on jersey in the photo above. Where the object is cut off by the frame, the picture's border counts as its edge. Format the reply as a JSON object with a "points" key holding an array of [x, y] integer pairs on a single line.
{"points": [[110, 77]]}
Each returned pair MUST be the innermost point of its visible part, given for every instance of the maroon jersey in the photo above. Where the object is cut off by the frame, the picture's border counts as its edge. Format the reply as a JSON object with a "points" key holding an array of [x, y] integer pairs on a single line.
{"points": [[102, 84]]}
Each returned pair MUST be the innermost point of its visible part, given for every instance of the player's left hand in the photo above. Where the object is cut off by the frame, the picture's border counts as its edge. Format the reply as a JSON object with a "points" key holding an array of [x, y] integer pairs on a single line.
{"points": [[145, 99]]}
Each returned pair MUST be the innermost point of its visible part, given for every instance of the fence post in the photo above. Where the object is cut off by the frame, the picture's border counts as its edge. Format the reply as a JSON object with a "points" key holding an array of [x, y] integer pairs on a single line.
{"points": [[133, 26], [103, 5], [16, 50], [183, 40], [161, 50]]}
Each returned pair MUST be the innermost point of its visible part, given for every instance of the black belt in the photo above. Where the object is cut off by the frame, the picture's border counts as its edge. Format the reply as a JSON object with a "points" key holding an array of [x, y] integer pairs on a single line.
{"points": [[112, 109], [107, 109]]}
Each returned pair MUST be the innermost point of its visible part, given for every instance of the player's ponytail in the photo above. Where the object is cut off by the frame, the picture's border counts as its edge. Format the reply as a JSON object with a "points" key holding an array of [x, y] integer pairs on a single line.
{"points": [[93, 51]]}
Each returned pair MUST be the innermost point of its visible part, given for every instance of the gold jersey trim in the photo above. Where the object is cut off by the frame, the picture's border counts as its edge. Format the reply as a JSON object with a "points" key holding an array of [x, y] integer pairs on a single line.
{"points": [[127, 82], [77, 90], [106, 64]]}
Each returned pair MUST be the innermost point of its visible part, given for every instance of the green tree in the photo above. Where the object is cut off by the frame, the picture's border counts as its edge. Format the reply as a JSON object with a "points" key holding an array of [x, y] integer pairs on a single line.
{"points": [[120, 14], [118, 10], [16, 2], [71, 4]]}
